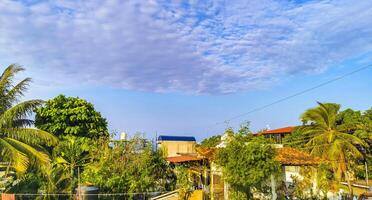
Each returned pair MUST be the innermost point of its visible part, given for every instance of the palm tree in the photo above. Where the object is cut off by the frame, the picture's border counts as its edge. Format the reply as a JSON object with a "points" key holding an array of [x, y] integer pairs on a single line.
{"points": [[329, 143], [20, 144]]}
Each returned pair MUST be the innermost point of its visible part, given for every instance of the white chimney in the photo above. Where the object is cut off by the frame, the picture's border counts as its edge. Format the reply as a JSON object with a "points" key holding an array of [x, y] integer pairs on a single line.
{"points": [[123, 136]]}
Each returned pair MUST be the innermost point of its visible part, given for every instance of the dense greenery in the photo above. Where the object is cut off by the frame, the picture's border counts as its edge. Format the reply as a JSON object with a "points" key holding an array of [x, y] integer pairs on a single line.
{"points": [[20, 145], [247, 164], [359, 124], [341, 139], [129, 166], [81, 146], [211, 141], [71, 116], [70, 156]]}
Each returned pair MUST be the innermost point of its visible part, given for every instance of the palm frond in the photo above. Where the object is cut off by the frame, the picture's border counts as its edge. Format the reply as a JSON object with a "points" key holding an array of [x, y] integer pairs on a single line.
{"points": [[18, 159], [352, 139], [6, 78], [6, 84], [19, 111], [30, 136], [28, 150], [17, 91], [18, 143]]}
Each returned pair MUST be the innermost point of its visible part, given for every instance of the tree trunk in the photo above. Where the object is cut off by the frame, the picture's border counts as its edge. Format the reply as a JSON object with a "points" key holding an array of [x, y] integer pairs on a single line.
{"points": [[274, 196], [248, 194], [349, 185]]}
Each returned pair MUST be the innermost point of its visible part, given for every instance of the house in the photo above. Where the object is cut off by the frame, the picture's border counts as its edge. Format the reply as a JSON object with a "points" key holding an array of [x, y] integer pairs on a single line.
{"points": [[197, 170], [208, 177], [277, 134], [291, 160], [175, 146]]}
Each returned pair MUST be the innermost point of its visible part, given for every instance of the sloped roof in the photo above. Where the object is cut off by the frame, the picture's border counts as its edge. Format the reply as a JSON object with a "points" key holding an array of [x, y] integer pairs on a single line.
{"points": [[283, 130], [207, 152], [294, 157], [176, 138], [183, 158], [286, 156]]}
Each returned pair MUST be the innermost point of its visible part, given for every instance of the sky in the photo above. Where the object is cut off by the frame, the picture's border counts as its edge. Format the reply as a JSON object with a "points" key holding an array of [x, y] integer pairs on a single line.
{"points": [[185, 67]]}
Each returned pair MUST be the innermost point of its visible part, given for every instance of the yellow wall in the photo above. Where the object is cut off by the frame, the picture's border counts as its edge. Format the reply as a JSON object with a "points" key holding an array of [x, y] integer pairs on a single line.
{"points": [[196, 195], [173, 148]]}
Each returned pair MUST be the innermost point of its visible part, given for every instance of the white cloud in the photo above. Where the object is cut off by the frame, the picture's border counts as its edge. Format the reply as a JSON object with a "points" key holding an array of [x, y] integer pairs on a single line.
{"points": [[204, 47]]}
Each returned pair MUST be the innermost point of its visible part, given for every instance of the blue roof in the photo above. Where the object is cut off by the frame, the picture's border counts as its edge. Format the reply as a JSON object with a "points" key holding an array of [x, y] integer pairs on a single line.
{"points": [[175, 138]]}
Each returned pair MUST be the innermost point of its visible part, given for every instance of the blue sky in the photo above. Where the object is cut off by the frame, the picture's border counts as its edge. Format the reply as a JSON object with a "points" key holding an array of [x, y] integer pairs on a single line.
{"points": [[178, 67]]}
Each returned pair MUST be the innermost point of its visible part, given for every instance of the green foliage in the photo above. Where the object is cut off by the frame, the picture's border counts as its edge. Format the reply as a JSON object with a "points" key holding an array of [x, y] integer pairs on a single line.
{"points": [[71, 155], [359, 124], [56, 180], [19, 144], [28, 183], [71, 116], [130, 166], [211, 141], [329, 139], [297, 139], [303, 187], [184, 185], [247, 165]]}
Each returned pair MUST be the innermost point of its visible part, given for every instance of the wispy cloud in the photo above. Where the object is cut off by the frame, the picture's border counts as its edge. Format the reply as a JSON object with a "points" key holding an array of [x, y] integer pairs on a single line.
{"points": [[209, 47]]}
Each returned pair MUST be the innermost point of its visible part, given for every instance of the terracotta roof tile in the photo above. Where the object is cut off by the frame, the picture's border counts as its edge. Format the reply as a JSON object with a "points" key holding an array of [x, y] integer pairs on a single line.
{"points": [[288, 129], [183, 158], [294, 157]]}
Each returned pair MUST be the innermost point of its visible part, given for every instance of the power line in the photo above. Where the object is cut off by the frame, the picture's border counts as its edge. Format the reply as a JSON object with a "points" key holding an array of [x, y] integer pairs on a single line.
{"points": [[295, 94]]}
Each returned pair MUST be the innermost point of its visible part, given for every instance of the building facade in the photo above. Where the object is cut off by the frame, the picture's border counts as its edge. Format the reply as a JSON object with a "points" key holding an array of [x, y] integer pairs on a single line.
{"points": [[175, 146]]}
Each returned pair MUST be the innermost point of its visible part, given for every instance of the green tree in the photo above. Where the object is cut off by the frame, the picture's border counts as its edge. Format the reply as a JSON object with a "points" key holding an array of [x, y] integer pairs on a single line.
{"points": [[327, 141], [211, 141], [358, 124], [184, 184], [247, 166], [70, 156], [129, 166], [55, 180], [19, 144], [297, 139], [71, 116]]}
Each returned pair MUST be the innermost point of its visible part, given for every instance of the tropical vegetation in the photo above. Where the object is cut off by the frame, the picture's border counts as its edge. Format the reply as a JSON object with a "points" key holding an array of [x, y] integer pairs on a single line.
{"points": [[20, 144], [68, 144], [71, 116], [248, 164]]}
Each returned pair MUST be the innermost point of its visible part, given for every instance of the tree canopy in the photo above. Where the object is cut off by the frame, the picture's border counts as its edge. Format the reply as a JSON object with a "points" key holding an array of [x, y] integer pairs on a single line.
{"points": [[247, 165], [71, 116], [129, 166], [211, 141]]}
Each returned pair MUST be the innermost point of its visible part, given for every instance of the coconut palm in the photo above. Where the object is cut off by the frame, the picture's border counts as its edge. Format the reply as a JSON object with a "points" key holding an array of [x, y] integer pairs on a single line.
{"points": [[20, 144], [329, 143]]}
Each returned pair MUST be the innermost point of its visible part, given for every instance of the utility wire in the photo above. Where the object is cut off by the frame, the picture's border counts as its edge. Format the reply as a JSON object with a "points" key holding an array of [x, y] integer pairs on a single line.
{"points": [[294, 95]]}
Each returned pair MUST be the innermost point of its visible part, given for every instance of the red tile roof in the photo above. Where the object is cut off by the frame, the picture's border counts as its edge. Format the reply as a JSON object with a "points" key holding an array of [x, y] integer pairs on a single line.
{"points": [[287, 156], [284, 130], [206, 152], [183, 158], [294, 157]]}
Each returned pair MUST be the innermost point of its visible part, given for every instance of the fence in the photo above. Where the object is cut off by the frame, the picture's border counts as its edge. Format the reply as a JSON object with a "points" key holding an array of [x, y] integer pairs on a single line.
{"points": [[113, 196]]}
